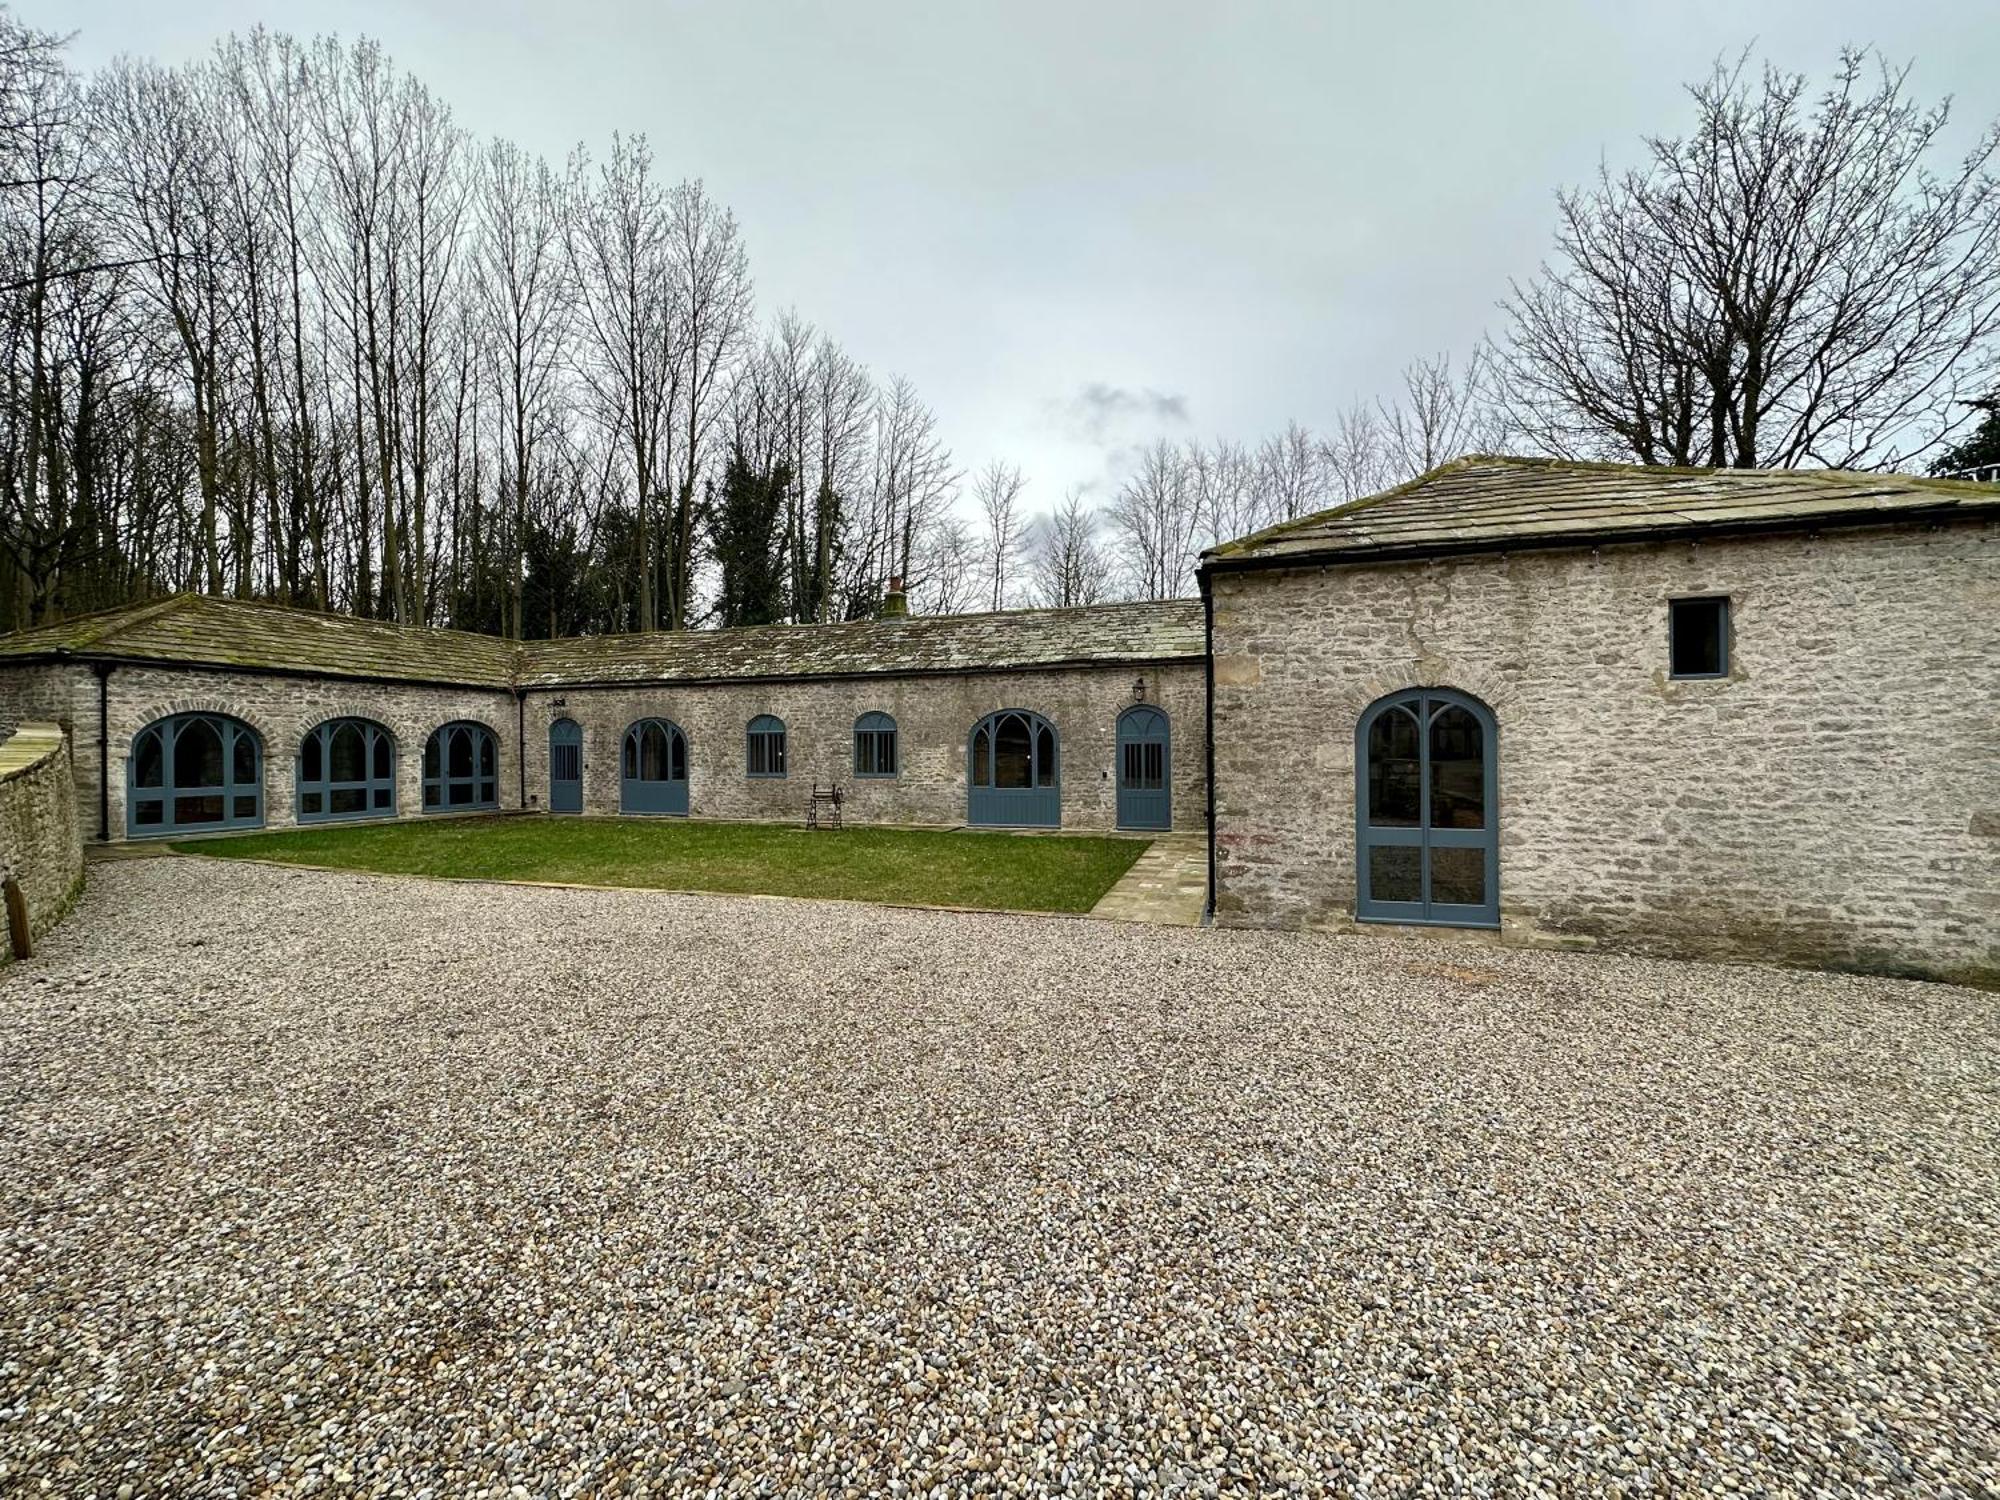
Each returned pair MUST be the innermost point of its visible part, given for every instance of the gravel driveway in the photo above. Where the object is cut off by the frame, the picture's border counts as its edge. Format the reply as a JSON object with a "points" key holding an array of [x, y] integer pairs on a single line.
{"points": [[315, 1181]]}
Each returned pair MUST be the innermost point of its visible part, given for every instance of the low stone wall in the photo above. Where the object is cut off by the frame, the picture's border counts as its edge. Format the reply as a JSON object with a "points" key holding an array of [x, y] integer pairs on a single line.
{"points": [[39, 841]]}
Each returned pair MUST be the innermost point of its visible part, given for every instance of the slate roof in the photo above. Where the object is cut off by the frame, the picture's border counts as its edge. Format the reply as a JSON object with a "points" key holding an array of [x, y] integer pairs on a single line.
{"points": [[1487, 503], [194, 628]]}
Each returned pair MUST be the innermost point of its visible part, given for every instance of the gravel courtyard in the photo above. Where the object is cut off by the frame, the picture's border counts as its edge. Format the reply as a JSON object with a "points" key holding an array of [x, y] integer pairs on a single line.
{"points": [[350, 1184]]}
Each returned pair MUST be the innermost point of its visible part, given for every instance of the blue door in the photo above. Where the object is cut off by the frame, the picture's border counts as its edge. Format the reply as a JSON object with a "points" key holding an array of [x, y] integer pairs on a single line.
{"points": [[1427, 811], [1145, 767], [1012, 778], [653, 776], [566, 766]]}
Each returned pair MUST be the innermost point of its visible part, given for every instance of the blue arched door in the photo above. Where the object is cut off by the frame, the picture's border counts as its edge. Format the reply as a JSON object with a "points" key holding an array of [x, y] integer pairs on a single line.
{"points": [[565, 766], [653, 774], [1427, 811], [1145, 769], [1012, 777]]}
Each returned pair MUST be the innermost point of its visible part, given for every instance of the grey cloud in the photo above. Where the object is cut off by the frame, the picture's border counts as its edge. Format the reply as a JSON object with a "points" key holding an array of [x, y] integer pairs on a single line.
{"points": [[1099, 409]]}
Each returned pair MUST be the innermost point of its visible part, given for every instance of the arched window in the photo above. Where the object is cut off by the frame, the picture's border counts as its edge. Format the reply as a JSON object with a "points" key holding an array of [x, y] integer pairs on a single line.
{"points": [[653, 773], [461, 769], [1011, 773], [194, 772], [875, 745], [1427, 808], [764, 747], [347, 769]]}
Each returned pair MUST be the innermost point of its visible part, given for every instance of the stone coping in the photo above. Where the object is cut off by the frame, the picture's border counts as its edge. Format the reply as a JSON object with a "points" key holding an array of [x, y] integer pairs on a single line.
{"points": [[28, 747]]}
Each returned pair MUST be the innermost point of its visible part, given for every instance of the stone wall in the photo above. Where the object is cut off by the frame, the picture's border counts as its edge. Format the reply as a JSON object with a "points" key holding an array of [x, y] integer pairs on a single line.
{"points": [[934, 714], [1835, 800], [935, 717], [39, 842]]}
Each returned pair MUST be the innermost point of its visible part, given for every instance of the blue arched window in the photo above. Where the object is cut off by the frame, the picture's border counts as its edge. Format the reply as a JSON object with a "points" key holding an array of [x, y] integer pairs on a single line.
{"points": [[194, 773], [461, 768], [1012, 777], [653, 775], [347, 769], [1427, 810], [764, 747], [875, 746]]}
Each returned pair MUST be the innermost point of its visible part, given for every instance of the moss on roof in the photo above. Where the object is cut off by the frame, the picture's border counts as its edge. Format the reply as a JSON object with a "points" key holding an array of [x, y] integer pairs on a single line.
{"points": [[218, 632], [1489, 502]]}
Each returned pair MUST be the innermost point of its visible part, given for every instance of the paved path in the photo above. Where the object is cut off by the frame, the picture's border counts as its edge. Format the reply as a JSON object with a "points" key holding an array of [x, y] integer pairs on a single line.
{"points": [[1168, 887]]}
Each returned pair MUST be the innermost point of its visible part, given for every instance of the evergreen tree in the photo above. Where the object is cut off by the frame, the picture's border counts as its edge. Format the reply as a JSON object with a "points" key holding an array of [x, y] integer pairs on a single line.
{"points": [[1979, 450], [746, 535]]}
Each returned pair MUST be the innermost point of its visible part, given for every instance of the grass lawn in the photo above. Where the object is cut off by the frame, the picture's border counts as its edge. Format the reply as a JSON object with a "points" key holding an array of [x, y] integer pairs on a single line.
{"points": [[1056, 872]]}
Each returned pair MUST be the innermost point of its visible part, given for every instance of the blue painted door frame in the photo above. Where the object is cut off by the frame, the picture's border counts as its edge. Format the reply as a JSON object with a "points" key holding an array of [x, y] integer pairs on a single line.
{"points": [[1145, 769], [566, 766], [1013, 774], [653, 769], [1427, 811]]}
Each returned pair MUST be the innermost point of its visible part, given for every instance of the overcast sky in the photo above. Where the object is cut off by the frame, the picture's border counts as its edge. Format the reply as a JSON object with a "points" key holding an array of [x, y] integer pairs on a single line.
{"points": [[1078, 225]]}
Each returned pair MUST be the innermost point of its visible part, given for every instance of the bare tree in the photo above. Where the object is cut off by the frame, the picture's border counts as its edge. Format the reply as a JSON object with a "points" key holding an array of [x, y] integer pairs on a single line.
{"points": [[1441, 416], [1156, 524], [1793, 282], [997, 492], [1066, 566]]}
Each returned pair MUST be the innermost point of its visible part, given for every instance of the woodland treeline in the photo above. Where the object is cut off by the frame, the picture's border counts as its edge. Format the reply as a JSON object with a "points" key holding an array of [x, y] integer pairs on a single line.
{"points": [[274, 326]]}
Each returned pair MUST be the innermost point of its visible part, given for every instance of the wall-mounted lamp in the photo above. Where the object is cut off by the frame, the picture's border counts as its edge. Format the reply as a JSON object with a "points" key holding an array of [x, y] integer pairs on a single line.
{"points": [[1138, 689]]}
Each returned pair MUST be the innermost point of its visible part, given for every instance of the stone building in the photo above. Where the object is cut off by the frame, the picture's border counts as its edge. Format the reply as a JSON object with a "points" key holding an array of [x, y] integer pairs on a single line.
{"points": [[193, 714], [1738, 714], [1741, 714]]}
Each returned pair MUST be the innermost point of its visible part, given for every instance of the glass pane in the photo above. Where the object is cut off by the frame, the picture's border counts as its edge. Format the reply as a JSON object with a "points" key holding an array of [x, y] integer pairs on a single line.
{"points": [[383, 769], [652, 753], [1129, 771], [309, 805], [198, 756], [1156, 767], [1458, 770], [147, 813], [310, 762], [431, 755], [430, 794], [1393, 873], [487, 797], [189, 810], [146, 760], [245, 758], [631, 757], [458, 753], [982, 758], [347, 754], [778, 754], [678, 744], [1045, 757], [352, 799], [381, 796], [886, 758], [1393, 771], [1013, 753], [488, 751], [459, 793], [246, 807], [1458, 876]]}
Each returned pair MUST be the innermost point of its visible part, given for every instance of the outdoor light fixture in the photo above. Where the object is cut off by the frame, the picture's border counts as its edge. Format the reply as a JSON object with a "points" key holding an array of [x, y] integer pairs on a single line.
{"points": [[1138, 689]]}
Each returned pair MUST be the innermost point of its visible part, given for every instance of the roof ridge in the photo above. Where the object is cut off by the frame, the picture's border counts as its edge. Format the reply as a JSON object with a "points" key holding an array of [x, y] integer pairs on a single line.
{"points": [[114, 622]]}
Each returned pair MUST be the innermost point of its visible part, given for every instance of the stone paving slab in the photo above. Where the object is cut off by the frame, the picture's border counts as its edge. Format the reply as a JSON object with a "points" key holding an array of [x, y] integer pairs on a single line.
{"points": [[1168, 886]]}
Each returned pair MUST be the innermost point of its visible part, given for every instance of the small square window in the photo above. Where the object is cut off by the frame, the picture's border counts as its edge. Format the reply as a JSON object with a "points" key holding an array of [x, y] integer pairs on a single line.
{"points": [[1698, 637]]}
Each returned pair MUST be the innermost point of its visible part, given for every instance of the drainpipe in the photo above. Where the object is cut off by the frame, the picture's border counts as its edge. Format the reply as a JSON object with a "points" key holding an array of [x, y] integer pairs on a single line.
{"points": [[103, 671], [521, 748], [1208, 758]]}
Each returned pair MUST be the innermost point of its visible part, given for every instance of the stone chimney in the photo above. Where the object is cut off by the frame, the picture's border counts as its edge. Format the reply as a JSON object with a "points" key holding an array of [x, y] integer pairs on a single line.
{"points": [[894, 605]]}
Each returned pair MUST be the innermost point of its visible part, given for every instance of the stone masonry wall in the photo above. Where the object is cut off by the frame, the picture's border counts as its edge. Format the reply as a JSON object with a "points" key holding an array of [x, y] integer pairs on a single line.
{"points": [[39, 842], [1835, 800], [934, 715]]}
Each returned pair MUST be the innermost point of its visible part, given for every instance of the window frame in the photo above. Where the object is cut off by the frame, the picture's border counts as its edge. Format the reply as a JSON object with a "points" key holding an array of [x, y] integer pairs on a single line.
{"points": [[877, 728], [324, 786], [231, 733], [765, 733], [443, 779], [1724, 627]]}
